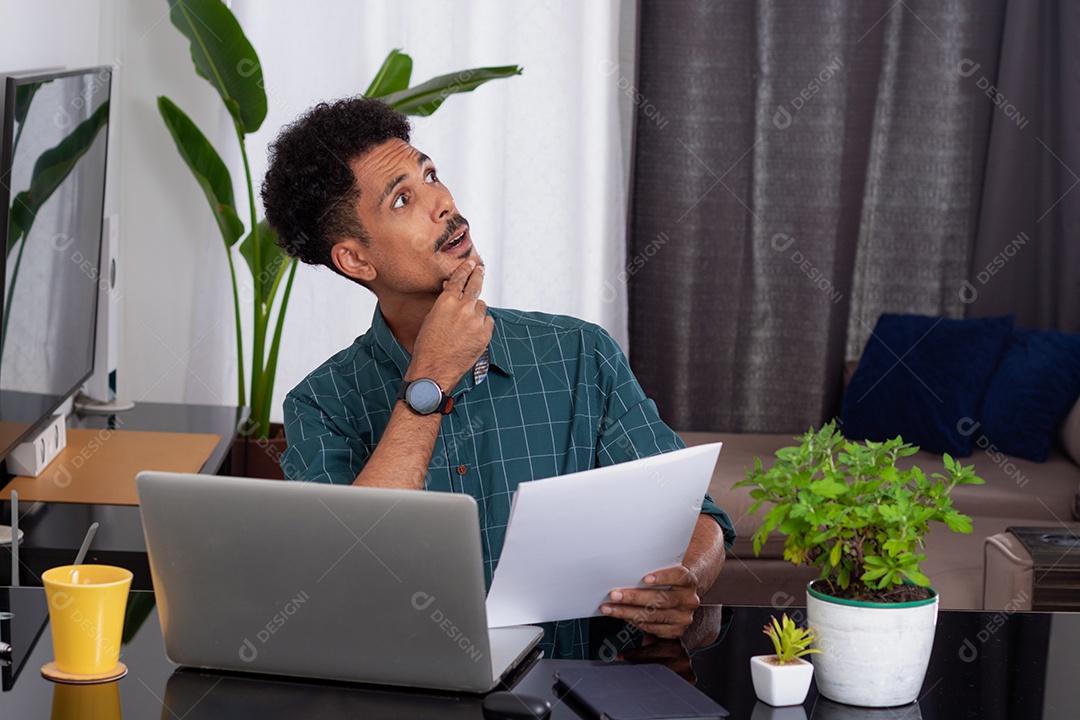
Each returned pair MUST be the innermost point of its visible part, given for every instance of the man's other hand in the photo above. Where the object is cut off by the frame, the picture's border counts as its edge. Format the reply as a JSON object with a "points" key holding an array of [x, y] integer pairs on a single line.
{"points": [[675, 654], [456, 331], [664, 609]]}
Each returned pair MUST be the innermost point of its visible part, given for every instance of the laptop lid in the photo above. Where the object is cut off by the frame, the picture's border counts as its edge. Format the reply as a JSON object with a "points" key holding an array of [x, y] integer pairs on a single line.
{"points": [[303, 579]]}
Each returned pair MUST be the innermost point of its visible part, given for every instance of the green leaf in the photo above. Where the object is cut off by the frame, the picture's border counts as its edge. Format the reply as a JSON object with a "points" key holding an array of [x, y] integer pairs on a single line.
{"points": [[424, 99], [957, 522], [916, 576], [222, 54], [874, 574], [273, 260], [787, 453], [829, 488], [393, 76], [208, 168], [51, 169]]}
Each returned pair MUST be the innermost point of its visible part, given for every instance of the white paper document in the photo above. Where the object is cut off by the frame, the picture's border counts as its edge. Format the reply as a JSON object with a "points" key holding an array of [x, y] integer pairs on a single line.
{"points": [[573, 539]]}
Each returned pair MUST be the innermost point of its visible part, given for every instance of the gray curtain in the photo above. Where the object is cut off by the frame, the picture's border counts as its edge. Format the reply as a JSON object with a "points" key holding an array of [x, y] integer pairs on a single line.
{"points": [[799, 168], [1027, 254]]}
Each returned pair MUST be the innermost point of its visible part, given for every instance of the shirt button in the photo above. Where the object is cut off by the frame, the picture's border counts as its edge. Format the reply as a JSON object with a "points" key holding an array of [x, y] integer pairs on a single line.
{"points": [[461, 469]]}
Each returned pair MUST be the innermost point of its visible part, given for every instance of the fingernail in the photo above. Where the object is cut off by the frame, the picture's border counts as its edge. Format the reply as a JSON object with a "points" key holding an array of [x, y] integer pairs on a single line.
{"points": [[650, 579], [606, 609], [616, 595]]}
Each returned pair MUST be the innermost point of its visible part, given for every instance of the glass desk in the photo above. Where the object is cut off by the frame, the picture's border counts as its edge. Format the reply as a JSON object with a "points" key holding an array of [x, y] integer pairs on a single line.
{"points": [[1022, 666]]}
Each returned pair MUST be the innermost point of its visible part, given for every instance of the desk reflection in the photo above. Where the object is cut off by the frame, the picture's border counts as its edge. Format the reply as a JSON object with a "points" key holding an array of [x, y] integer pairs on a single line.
{"points": [[97, 701], [196, 695], [825, 709]]}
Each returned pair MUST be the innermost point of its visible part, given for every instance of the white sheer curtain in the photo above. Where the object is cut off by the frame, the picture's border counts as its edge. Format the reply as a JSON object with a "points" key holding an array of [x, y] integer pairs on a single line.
{"points": [[535, 162]]}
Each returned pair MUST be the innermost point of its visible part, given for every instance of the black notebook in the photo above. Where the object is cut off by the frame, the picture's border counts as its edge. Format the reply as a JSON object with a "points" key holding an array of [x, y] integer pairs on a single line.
{"points": [[635, 692]]}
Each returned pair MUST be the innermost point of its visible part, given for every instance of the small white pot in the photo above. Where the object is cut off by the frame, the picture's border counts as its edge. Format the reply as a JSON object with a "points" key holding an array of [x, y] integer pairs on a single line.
{"points": [[872, 654], [780, 685]]}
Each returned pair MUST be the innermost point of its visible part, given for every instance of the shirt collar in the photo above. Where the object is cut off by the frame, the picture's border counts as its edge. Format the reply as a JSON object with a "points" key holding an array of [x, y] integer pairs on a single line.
{"points": [[389, 344], [497, 353], [384, 338]]}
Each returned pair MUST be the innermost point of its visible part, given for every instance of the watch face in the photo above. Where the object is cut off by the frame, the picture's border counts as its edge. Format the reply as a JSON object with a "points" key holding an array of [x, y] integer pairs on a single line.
{"points": [[424, 396]]}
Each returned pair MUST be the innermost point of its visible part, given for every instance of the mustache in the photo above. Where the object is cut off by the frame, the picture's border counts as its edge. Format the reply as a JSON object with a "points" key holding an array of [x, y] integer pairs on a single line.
{"points": [[452, 226]]}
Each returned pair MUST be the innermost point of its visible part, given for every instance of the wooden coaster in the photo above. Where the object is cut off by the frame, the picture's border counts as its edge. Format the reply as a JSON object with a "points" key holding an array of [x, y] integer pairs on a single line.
{"points": [[50, 672]]}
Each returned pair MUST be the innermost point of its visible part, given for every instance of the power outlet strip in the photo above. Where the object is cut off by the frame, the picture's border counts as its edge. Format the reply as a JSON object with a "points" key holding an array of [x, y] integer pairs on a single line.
{"points": [[33, 456]]}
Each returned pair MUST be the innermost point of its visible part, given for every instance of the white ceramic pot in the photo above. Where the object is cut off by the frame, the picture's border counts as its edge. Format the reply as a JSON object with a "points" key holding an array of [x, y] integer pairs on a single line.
{"points": [[872, 654], [780, 685]]}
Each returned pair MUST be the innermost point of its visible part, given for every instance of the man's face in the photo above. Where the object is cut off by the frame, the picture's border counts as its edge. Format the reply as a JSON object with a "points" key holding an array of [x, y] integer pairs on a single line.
{"points": [[417, 237]]}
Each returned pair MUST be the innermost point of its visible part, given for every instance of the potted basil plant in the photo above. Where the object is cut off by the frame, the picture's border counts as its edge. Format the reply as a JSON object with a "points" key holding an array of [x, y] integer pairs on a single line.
{"points": [[846, 508]]}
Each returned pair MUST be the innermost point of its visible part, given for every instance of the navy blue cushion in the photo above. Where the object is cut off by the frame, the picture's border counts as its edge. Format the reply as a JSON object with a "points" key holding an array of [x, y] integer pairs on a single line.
{"points": [[1031, 392], [923, 378]]}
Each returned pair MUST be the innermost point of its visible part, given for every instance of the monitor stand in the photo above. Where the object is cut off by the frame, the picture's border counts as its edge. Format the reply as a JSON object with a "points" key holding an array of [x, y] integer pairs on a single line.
{"points": [[89, 406]]}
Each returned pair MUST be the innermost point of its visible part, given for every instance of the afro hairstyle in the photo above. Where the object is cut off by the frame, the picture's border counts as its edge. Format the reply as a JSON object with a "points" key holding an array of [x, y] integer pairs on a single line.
{"points": [[310, 192]]}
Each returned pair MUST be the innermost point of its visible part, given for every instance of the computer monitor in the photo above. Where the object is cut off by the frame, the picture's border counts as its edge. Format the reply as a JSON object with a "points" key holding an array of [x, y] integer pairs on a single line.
{"points": [[52, 194]]}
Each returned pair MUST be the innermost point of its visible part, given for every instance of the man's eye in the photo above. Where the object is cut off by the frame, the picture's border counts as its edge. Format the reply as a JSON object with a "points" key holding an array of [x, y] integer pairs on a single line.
{"points": [[432, 177], [399, 202]]}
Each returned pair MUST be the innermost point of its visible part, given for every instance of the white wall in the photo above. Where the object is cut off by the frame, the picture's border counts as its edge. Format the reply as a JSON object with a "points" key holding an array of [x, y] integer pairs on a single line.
{"points": [[50, 33], [165, 222]]}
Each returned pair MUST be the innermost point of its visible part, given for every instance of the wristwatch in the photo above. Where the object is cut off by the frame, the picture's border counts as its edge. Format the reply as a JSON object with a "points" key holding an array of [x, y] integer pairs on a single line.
{"points": [[425, 396]]}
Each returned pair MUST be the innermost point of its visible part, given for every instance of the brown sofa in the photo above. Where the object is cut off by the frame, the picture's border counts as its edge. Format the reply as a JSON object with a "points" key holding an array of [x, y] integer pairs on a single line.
{"points": [[1017, 493]]}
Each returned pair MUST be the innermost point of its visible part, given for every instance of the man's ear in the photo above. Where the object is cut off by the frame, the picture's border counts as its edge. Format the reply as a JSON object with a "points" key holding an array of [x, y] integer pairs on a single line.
{"points": [[351, 257]]}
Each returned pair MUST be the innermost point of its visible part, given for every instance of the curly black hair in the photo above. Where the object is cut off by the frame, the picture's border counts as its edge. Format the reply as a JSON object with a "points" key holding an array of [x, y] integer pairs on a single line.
{"points": [[310, 192]]}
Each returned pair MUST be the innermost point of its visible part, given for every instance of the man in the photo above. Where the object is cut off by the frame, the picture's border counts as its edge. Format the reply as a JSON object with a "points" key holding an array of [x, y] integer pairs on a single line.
{"points": [[444, 393]]}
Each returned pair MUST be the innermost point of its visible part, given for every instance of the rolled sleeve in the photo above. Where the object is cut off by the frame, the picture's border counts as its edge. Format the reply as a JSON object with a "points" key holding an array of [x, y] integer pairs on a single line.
{"points": [[318, 450]]}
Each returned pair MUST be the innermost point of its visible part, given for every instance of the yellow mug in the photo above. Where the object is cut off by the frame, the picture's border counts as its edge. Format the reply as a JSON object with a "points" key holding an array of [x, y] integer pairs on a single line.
{"points": [[86, 611]]}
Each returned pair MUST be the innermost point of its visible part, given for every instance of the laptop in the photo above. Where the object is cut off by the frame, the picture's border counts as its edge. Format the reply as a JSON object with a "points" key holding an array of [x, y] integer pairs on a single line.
{"points": [[333, 582]]}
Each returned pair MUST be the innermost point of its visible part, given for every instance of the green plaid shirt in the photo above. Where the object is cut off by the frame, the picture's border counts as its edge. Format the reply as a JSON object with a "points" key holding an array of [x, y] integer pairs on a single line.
{"points": [[559, 397]]}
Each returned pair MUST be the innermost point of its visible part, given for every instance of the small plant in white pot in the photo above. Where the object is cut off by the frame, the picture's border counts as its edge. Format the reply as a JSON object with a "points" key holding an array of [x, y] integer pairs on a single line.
{"points": [[846, 508], [784, 678]]}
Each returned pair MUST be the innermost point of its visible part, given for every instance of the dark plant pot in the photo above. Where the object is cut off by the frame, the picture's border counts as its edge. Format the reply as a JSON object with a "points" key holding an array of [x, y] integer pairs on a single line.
{"points": [[259, 458]]}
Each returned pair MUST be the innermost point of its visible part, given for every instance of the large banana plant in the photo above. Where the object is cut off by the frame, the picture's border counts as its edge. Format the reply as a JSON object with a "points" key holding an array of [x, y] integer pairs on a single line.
{"points": [[226, 59]]}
